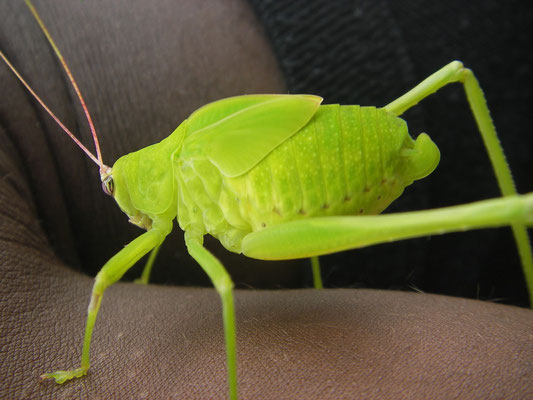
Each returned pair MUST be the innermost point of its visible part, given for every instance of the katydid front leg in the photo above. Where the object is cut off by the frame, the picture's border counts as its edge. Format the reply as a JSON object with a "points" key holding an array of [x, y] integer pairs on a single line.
{"points": [[110, 273], [145, 276]]}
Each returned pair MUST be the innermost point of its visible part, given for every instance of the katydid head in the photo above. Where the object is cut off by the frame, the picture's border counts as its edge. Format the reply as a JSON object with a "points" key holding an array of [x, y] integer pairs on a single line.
{"points": [[144, 185]]}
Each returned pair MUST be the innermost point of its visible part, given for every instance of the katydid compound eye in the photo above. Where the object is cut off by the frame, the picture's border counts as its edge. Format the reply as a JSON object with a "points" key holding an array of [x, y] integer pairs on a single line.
{"points": [[108, 185]]}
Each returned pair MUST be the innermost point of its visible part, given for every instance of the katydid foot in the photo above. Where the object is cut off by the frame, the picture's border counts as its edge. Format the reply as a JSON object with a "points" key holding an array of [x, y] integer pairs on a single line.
{"points": [[63, 376]]}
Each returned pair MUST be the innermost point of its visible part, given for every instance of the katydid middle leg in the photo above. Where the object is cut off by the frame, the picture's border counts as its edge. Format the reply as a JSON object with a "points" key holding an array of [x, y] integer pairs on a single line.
{"points": [[317, 278], [456, 72], [224, 286]]}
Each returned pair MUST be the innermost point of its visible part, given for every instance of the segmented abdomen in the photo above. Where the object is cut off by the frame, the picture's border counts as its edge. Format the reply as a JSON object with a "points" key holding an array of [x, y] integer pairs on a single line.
{"points": [[345, 161]]}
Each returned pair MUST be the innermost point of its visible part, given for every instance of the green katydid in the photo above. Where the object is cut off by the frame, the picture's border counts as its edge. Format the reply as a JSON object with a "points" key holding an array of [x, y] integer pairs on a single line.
{"points": [[282, 176]]}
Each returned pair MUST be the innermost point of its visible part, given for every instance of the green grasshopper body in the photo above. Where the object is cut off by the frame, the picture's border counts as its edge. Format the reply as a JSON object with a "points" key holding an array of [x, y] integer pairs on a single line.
{"points": [[342, 160], [281, 176]]}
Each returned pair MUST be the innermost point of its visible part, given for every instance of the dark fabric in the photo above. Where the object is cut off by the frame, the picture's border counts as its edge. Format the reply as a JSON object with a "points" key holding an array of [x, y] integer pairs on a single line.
{"points": [[371, 52]]}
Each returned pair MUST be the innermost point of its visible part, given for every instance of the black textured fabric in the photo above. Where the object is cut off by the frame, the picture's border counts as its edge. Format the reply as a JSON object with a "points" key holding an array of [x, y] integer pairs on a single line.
{"points": [[331, 48], [369, 53]]}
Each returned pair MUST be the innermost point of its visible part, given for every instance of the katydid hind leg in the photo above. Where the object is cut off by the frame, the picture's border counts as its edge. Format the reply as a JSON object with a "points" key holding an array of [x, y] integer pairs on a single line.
{"points": [[325, 235], [224, 286], [110, 273], [456, 72]]}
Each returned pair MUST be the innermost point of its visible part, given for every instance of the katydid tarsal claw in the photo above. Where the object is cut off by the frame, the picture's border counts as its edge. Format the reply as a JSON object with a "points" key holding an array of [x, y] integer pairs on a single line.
{"points": [[283, 176]]}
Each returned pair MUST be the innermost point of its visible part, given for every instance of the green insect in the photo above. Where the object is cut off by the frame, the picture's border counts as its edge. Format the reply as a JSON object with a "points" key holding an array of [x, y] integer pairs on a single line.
{"points": [[282, 177]]}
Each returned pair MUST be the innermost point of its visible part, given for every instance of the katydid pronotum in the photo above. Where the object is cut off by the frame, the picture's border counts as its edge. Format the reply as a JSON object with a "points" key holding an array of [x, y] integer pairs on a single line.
{"points": [[258, 209]]}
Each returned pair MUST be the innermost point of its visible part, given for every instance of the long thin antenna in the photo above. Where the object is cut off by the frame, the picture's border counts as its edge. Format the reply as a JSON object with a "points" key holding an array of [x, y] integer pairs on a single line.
{"points": [[104, 169], [68, 132], [72, 80]]}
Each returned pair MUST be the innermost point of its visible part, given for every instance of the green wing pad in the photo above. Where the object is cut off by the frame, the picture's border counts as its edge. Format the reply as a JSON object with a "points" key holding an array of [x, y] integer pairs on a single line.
{"points": [[243, 130], [149, 178], [216, 111]]}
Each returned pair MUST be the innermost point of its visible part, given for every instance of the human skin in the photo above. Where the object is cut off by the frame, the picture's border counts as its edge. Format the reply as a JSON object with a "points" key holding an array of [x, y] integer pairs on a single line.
{"points": [[156, 64]]}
